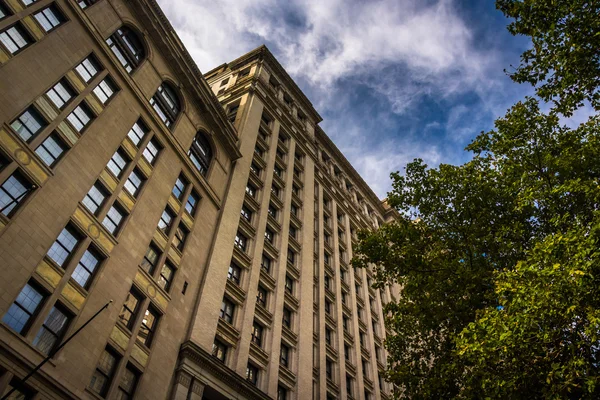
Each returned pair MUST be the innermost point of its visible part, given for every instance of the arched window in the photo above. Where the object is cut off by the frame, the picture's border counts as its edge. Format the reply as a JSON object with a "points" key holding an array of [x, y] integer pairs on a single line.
{"points": [[166, 103], [200, 153], [128, 47]]}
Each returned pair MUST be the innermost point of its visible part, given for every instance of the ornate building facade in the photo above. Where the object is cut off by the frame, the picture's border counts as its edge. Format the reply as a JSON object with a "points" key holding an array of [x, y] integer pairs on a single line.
{"points": [[212, 210]]}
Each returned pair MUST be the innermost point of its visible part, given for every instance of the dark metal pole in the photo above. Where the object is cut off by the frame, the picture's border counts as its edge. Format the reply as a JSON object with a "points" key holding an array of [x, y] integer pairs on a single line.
{"points": [[53, 352]]}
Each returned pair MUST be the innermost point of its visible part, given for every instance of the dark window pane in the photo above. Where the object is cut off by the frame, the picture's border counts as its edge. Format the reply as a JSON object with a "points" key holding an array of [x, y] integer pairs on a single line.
{"points": [[201, 153], [129, 310], [13, 192]]}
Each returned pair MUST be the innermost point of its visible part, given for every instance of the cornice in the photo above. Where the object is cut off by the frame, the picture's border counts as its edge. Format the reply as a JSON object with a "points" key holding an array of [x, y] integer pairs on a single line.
{"points": [[172, 48]]}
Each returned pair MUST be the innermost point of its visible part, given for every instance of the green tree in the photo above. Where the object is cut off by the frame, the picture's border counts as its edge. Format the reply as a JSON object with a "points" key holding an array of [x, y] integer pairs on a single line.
{"points": [[497, 258]]}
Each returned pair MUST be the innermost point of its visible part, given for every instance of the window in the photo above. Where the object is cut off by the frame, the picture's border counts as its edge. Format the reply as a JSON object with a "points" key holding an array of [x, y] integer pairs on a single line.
{"points": [[179, 188], [130, 309], [166, 103], [86, 267], [258, 151], [243, 73], [251, 190], [104, 372], [29, 124], [287, 318], [137, 132], [25, 307], [326, 258], [365, 368], [127, 47], [113, 219], [284, 358], [13, 192], [294, 210], [345, 323], [328, 307], [201, 153], [275, 190], [280, 153], [293, 232], [265, 264], [4, 11], [255, 169], [224, 82], [281, 393], [51, 150], [60, 94], [287, 99], [86, 3], [327, 282], [118, 162], [227, 309], [232, 111], [246, 213], [278, 171], [329, 369], [291, 256], [361, 338], [148, 327], [257, 334], [88, 68], [240, 241], [134, 182], [105, 90], [219, 350], [252, 374], [264, 118], [15, 38], [151, 151], [289, 284], [80, 117], [49, 18], [166, 219], [272, 211], [328, 334], [347, 352], [192, 203], [282, 138], [349, 385], [166, 276], [52, 330], [234, 273], [63, 247], [181, 235], [261, 296], [344, 298], [128, 383], [269, 236], [151, 259], [94, 199], [327, 239]]}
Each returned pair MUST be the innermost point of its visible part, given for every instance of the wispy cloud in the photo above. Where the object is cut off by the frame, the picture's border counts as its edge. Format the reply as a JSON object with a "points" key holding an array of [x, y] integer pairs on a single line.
{"points": [[398, 69]]}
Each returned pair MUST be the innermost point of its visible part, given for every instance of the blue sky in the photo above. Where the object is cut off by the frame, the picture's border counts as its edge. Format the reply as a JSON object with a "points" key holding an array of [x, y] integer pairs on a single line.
{"points": [[393, 79]]}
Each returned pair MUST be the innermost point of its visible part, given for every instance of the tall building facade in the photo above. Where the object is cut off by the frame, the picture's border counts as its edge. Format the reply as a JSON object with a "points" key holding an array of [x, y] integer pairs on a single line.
{"points": [[213, 211]]}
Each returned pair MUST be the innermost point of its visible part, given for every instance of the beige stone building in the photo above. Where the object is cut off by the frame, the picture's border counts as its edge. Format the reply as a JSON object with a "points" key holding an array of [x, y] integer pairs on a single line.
{"points": [[212, 210]]}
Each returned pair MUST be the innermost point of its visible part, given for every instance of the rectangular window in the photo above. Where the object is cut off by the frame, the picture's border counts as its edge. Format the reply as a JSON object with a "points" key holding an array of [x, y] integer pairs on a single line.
{"points": [[261, 296], [289, 284], [15, 38], [88, 68], [134, 182], [151, 151], [179, 188], [29, 124], [240, 241], [284, 358], [246, 213], [181, 235], [287, 318], [227, 309], [294, 210], [232, 112], [114, 219], [51, 150], [166, 219], [104, 372], [272, 211], [94, 199], [80, 117], [86, 3], [128, 383], [328, 336], [151, 259], [60, 94], [137, 132], [275, 190], [130, 309], [192, 203], [148, 327], [265, 264], [105, 90], [252, 374], [251, 190], [234, 273], [349, 385], [25, 307], [269, 236], [86, 267], [63, 247], [282, 393], [49, 18], [329, 369], [291, 257], [118, 162], [13, 192], [4, 11], [219, 350], [293, 232], [255, 169], [257, 334], [166, 276], [52, 330]]}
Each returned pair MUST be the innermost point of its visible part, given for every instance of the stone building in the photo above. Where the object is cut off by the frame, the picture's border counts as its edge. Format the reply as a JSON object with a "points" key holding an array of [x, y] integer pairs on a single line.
{"points": [[212, 210]]}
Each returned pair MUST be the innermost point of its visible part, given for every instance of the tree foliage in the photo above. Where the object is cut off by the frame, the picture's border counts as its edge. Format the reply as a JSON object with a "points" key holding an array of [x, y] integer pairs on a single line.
{"points": [[498, 259]]}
